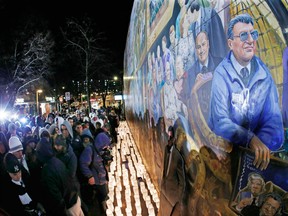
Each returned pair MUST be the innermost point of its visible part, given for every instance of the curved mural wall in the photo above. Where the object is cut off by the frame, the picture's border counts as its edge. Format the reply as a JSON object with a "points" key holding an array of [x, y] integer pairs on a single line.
{"points": [[206, 92]]}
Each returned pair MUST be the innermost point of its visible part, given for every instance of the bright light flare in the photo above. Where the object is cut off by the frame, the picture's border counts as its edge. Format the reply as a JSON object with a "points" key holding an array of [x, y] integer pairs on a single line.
{"points": [[14, 116], [23, 120], [4, 115]]}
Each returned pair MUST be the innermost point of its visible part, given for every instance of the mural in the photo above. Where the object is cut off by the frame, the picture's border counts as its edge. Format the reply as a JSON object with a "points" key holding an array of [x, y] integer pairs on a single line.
{"points": [[206, 88]]}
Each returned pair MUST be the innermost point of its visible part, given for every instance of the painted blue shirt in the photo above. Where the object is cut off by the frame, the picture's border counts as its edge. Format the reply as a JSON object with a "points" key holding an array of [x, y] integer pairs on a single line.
{"points": [[238, 112]]}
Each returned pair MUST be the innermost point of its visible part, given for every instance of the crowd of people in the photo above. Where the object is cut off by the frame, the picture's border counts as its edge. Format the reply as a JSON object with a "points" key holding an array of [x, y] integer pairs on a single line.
{"points": [[55, 165]]}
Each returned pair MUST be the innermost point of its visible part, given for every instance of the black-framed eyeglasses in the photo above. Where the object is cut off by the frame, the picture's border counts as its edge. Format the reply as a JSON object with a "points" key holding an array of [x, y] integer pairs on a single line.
{"points": [[244, 35]]}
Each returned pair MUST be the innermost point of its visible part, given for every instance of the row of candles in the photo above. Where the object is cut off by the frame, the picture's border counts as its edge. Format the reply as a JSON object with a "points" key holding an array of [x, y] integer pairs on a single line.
{"points": [[131, 191]]}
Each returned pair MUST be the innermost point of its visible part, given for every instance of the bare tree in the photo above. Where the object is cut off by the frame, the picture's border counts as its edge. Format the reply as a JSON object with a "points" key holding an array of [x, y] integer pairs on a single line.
{"points": [[28, 62], [86, 45], [96, 61]]}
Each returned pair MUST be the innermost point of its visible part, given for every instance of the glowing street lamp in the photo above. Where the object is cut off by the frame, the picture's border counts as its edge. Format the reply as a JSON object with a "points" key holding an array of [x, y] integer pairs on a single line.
{"points": [[37, 102]]}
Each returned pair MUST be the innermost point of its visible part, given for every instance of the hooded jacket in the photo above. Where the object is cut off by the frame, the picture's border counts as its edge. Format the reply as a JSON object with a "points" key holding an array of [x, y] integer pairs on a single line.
{"points": [[91, 163], [59, 193]]}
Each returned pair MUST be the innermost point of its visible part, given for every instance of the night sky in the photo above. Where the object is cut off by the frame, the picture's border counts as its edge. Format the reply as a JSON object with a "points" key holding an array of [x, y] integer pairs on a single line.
{"points": [[111, 17]]}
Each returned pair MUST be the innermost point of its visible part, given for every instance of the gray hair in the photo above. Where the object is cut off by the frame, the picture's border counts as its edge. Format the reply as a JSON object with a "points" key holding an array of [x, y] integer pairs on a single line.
{"points": [[243, 18]]}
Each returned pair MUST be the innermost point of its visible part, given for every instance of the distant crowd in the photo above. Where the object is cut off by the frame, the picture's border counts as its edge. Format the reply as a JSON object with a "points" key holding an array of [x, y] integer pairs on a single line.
{"points": [[56, 164]]}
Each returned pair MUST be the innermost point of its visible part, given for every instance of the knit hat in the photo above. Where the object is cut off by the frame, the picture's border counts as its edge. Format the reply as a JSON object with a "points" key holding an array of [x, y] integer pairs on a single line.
{"points": [[15, 144], [11, 163], [60, 140], [44, 150]]}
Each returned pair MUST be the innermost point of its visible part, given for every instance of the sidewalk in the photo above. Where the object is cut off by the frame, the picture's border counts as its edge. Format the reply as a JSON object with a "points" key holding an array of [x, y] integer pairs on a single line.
{"points": [[131, 192]]}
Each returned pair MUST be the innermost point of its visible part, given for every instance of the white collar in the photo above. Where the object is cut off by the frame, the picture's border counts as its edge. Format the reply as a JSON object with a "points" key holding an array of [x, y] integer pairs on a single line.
{"points": [[237, 66]]}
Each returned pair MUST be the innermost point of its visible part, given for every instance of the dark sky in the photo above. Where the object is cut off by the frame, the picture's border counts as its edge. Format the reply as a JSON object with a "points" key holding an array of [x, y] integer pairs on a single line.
{"points": [[111, 17]]}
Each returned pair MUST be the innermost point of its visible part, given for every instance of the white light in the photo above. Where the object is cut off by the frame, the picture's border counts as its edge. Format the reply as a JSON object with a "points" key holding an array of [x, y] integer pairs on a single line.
{"points": [[3, 115], [23, 120]]}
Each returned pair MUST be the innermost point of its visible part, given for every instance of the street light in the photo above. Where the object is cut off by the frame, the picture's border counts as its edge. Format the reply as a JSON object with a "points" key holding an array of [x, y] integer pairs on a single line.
{"points": [[37, 103]]}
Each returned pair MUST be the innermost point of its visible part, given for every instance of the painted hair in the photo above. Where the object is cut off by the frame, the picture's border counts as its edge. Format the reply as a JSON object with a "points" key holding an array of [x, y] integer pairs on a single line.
{"points": [[255, 176], [276, 197], [243, 18]]}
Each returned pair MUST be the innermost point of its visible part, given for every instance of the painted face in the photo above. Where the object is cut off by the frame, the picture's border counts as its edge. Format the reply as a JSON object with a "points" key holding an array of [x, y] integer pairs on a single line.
{"points": [[270, 207], [202, 47], [256, 187], [172, 36], [242, 50]]}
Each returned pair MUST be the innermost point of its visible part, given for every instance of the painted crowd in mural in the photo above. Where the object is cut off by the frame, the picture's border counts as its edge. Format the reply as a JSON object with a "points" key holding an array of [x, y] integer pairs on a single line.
{"points": [[206, 88]]}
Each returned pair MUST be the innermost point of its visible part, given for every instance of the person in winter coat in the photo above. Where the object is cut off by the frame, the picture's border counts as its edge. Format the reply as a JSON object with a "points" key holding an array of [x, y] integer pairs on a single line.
{"points": [[60, 194], [20, 196], [114, 123], [93, 168]]}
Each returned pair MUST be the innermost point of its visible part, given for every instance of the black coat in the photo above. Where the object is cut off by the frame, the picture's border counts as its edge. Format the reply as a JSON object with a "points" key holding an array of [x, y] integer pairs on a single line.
{"points": [[59, 192]]}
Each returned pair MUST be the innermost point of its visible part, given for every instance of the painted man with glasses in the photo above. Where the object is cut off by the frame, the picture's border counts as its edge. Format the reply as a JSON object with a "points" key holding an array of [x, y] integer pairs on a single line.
{"points": [[244, 105]]}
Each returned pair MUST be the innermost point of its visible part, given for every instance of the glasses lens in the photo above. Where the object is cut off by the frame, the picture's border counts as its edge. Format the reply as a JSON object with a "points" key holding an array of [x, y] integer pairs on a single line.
{"points": [[254, 34], [243, 36]]}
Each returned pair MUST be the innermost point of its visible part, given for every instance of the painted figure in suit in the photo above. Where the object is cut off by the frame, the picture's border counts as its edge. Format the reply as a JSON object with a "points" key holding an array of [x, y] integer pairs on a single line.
{"points": [[202, 69], [208, 20], [251, 194]]}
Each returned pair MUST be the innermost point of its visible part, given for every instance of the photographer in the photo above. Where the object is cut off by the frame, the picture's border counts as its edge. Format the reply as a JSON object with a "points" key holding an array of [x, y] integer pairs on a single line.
{"points": [[93, 168]]}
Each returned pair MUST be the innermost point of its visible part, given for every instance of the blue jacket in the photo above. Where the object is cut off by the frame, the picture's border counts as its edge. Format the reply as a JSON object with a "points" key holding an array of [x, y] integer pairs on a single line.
{"points": [[91, 163], [237, 113]]}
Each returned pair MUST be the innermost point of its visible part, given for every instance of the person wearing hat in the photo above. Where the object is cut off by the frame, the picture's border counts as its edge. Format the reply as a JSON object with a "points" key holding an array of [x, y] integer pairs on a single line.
{"points": [[20, 195], [65, 153], [60, 194], [16, 148]]}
